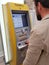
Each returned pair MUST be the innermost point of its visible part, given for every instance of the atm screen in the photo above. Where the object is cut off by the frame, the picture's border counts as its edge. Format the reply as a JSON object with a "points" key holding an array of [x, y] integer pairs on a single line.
{"points": [[20, 20]]}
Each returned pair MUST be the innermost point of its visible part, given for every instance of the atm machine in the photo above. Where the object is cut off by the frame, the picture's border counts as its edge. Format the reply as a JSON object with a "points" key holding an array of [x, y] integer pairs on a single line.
{"points": [[16, 18]]}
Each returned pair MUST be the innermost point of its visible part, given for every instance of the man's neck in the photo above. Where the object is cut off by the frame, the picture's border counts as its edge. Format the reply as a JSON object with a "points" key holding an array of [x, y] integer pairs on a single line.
{"points": [[45, 13]]}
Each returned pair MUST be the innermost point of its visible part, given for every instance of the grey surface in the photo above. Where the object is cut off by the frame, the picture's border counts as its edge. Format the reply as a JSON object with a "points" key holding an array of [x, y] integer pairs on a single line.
{"points": [[1, 47], [1, 51], [2, 61]]}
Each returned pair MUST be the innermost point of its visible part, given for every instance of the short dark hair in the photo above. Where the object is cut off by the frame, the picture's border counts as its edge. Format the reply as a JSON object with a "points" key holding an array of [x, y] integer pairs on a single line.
{"points": [[45, 3]]}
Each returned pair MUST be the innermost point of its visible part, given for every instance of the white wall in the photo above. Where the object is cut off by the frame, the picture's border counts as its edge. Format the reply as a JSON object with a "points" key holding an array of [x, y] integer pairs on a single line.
{"points": [[16, 1], [33, 17]]}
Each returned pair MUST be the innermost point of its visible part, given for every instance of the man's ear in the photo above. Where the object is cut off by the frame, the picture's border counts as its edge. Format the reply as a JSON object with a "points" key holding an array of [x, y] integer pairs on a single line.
{"points": [[39, 7]]}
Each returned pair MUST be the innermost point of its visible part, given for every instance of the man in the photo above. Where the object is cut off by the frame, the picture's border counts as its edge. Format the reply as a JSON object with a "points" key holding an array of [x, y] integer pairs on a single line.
{"points": [[38, 49]]}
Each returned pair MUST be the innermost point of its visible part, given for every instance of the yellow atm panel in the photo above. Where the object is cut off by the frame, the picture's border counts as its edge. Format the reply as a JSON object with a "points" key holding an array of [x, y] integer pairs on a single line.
{"points": [[17, 18]]}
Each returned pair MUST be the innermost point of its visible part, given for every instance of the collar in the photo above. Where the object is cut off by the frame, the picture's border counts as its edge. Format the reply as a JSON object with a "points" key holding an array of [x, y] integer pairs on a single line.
{"points": [[46, 17]]}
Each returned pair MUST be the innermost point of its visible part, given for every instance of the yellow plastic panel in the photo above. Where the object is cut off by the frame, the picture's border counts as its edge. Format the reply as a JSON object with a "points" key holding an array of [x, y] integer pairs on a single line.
{"points": [[12, 37], [9, 7], [15, 6]]}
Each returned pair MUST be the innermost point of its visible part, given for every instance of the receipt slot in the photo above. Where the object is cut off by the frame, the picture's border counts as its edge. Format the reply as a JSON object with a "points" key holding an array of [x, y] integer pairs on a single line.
{"points": [[19, 26]]}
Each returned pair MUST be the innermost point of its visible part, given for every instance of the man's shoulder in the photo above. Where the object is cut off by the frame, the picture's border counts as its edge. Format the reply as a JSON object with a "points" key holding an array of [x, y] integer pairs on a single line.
{"points": [[41, 27]]}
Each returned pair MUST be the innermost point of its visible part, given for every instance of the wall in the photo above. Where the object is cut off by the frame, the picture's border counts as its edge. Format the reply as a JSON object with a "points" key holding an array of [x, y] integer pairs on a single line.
{"points": [[30, 4], [1, 49], [16, 1]]}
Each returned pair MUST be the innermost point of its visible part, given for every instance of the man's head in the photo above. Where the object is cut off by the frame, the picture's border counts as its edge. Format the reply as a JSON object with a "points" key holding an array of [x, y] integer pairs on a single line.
{"points": [[42, 8]]}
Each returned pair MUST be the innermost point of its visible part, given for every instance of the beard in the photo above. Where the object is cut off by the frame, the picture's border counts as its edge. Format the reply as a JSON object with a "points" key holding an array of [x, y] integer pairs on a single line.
{"points": [[39, 17]]}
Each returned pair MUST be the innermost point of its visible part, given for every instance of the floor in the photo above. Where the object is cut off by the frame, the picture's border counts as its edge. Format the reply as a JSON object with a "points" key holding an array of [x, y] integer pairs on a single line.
{"points": [[2, 61]]}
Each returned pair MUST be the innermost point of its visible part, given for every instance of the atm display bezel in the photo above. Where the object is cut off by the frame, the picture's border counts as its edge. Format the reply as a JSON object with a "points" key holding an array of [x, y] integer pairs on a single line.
{"points": [[23, 12]]}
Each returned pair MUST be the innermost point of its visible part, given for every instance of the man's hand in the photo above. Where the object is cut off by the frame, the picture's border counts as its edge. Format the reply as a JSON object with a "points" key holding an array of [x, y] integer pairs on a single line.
{"points": [[27, 42]]}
